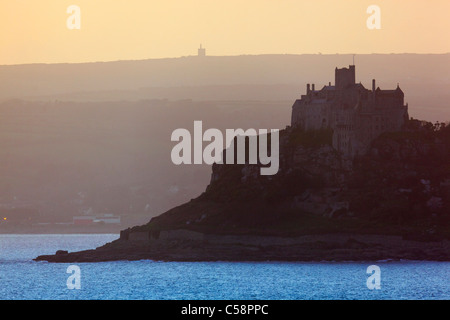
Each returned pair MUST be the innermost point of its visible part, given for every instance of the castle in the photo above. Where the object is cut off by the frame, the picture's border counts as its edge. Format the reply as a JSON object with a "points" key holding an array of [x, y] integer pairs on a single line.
{"points": [[355, 114]]}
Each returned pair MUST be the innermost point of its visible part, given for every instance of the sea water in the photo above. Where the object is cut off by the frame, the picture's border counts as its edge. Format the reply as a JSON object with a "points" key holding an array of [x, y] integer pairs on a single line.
{"points": [[23, 278]]}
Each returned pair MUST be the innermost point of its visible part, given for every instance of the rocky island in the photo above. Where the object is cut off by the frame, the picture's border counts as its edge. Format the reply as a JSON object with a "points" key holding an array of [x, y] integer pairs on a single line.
{"points": [[391, 203], [358, 180]]}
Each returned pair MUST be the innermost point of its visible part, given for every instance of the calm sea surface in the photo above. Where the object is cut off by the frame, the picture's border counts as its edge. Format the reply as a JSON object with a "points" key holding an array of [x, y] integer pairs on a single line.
{"points": [[22, 278]]}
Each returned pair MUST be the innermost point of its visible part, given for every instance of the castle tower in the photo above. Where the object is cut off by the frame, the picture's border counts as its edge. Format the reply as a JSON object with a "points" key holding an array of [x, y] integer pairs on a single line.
{"points": [[344, 77], [201, 51]]}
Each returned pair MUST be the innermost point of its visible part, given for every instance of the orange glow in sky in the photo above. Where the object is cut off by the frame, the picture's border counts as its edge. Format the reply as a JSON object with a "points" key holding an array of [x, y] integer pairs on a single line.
{"points": [[36, 31]]}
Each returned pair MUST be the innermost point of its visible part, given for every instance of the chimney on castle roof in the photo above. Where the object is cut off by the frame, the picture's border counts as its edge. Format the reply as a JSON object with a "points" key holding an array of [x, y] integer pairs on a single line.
{"points": [[307, 89], [313, 87], [373, 89]]}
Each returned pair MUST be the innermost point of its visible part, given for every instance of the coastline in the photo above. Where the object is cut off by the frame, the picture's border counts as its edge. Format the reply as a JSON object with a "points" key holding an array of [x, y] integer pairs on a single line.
{"points": [[61, 229], [308, 248]]}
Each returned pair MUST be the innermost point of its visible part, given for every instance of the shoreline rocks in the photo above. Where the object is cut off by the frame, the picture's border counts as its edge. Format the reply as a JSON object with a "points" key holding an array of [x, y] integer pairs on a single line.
{"points": [[328, 247]]}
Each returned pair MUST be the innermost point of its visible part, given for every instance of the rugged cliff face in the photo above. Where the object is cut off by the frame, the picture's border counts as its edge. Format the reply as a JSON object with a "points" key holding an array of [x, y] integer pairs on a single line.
{"points": [[400, 187]]}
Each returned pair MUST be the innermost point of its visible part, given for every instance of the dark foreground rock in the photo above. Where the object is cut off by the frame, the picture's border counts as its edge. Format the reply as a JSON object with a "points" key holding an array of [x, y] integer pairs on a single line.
{"points": [[243, 248]]}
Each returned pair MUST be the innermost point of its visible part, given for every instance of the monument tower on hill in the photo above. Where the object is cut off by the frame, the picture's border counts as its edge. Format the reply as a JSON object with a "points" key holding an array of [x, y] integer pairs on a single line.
{"points": [[201, 51]]}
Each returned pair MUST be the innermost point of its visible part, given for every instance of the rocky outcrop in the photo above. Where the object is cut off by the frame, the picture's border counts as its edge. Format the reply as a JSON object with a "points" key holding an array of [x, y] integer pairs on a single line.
{"points": [[319, 206]]}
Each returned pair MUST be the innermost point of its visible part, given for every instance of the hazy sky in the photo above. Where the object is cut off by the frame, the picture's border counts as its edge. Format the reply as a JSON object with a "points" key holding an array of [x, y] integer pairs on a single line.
{"points": [[35, 30]]}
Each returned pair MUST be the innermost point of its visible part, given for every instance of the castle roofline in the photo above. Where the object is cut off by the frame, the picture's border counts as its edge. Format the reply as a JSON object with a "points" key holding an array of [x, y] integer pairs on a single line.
{"points": [[389, 91]]}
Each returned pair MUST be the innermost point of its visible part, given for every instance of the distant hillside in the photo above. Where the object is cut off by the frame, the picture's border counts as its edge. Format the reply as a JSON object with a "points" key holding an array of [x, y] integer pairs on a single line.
{"points": [[75, 136], [424, 78], [60, 158]]}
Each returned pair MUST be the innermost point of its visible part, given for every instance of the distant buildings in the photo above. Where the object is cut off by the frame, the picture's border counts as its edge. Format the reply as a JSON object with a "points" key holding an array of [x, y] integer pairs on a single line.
{"points": [[83, 220], [87, 220], [355, 114]]}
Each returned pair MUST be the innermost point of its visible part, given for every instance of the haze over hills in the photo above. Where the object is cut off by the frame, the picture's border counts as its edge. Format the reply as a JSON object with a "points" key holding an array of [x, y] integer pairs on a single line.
{"points": [[59, 159], [424, 78], [97, 135]]}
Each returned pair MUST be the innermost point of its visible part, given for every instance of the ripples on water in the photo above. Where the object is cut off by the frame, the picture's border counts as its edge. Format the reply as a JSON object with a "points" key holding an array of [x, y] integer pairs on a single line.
{"points": [[22, 278]]}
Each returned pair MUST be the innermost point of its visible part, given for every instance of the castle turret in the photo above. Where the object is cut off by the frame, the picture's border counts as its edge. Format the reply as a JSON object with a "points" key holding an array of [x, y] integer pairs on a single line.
{"points": [[344, 77]]}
